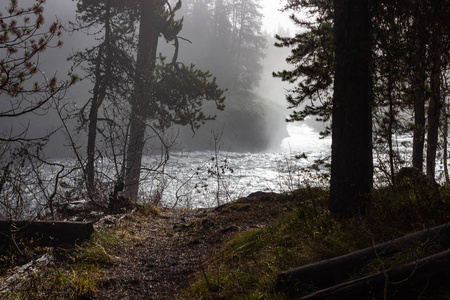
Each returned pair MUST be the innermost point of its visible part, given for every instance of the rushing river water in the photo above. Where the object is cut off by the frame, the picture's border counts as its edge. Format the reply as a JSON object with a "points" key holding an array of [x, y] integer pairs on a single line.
{"points": [[199, 178], [188, 179], [206, 178]]}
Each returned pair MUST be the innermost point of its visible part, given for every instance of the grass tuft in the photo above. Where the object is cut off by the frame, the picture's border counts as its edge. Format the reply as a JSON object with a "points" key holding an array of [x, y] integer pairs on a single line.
{"points": [[65, 274]]}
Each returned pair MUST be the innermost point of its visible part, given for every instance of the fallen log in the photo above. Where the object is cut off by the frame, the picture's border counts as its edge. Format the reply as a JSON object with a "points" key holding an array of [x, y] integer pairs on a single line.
{"points": [[45, 233], [327, 272], [404, 282]]}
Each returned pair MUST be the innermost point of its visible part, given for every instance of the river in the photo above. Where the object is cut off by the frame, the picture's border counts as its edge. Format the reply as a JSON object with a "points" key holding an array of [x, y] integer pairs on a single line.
{"points": [[206, 178]]}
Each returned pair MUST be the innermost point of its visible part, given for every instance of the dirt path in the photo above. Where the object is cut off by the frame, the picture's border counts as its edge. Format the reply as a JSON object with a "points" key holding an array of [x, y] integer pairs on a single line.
{"points": [[167, 251], [157, 264]]}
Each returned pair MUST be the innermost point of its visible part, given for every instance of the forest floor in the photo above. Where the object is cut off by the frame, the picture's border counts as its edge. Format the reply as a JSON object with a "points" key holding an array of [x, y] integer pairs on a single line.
{"points": [[163, 254], [213, 253]]}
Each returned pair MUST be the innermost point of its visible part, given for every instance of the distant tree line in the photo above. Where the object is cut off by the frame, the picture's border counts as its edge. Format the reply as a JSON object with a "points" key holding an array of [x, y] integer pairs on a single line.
{"points": [[227, 39]]}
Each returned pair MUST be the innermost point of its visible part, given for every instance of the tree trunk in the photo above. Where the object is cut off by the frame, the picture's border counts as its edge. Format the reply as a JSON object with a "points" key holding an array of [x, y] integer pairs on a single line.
{"points": [[145, 66], [419, 94], [92, 129], [99, 93], [391, 127], [445, 142], [408, 281], [327, 272], [351, 164], [45, 234], [435, 107]]}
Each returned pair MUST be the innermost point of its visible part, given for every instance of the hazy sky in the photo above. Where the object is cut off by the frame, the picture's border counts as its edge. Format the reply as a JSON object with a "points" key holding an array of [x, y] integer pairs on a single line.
{"points": [[273, 18]]}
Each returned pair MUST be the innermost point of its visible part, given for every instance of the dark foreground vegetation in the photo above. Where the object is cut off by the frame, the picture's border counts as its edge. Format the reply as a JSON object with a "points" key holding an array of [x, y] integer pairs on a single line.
{"points": [[235, 251]]}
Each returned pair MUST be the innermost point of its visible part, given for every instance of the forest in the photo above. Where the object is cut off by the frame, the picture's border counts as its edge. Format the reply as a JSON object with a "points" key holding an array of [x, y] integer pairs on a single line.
{"points": [[375, 73]]}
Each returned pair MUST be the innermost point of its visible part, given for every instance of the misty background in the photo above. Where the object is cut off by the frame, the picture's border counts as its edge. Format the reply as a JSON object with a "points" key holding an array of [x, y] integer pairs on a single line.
{"points": [[255, 112]]}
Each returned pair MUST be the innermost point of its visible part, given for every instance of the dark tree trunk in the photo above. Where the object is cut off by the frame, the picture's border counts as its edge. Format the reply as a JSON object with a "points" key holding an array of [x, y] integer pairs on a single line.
{"points": [[145, 66], [391, 127], [419, 93], [445, 142], [408, 281], [352, 164], [45, 234], [92, 129], [419, 126], [435, 107], [99, 93]]}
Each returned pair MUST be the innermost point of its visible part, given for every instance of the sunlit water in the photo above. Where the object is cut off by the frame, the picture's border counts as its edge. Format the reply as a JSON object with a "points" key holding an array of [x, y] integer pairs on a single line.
{"points": [[200, 179], [206, 178], [188, 179]]}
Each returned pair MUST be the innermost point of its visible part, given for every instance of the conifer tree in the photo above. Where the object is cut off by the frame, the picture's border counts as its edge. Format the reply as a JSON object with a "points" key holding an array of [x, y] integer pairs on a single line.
{"points": [[109, 65]]}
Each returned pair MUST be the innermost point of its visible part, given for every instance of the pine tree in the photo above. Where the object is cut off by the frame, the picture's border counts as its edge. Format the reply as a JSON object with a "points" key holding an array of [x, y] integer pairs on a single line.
{"points": [[109, 65]]}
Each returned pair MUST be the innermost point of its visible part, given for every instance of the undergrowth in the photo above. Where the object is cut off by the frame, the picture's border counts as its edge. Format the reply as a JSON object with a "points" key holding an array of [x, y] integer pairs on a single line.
{"points": [[61, 273], [64, 273], [248, 265]]}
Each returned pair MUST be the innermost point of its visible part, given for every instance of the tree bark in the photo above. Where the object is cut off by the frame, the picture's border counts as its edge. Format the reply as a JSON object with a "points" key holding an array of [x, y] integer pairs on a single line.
{"points": [[445, 142], [99, 93], [391, 126], [145, 66], [45, 233], [419, 93], [435, 107], [351, 162], [408, 281]]}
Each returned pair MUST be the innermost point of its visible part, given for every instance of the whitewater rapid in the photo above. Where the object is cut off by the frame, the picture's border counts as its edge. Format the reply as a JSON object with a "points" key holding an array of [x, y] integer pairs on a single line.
{"points": [[208, 178]]}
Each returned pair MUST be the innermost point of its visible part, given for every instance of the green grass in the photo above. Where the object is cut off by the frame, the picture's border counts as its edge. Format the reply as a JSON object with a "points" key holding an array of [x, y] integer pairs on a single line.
{"points": [[248, 265], [70, 273]]}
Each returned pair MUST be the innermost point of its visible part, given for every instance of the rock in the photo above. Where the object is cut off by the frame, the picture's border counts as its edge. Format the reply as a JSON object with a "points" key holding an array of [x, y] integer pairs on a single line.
{"points": [[72, 208]]}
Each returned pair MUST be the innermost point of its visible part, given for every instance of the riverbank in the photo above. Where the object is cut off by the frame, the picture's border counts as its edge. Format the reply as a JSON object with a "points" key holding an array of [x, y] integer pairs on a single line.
{"points": [[235, 251], [148, 254]]}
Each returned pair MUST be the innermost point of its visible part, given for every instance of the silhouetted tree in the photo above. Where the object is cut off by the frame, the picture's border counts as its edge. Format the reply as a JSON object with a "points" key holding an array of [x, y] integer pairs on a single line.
{"points": [[351, 161], [313, 60], [438, 59], [418, 82], [409, 38]]}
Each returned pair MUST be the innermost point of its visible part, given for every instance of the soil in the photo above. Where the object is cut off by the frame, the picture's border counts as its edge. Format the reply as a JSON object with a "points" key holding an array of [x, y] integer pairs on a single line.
{"points": [[164, 254]]}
